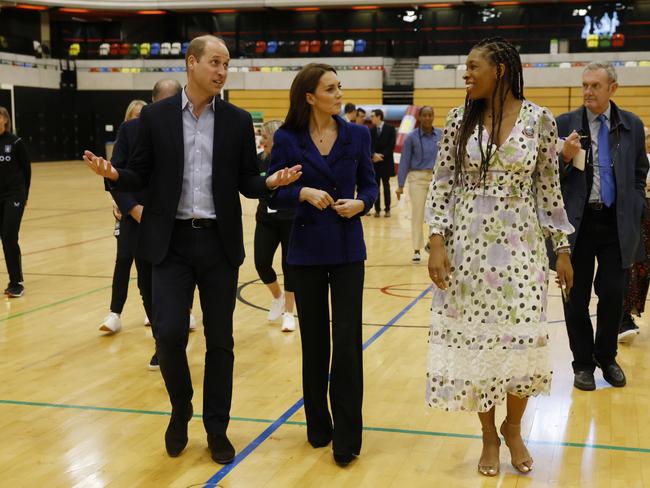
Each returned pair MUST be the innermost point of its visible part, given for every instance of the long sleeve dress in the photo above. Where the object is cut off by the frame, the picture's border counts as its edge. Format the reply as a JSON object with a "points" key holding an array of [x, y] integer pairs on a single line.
{"points": [[488, 334]]}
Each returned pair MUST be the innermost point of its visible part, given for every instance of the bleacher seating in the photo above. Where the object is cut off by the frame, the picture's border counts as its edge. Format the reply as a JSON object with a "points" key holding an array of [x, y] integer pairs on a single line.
{"points": [[348, 46], [165, 48], [303, 47], [260, 47], [145, 49], [104, 49], [314, 47], [155, 49], [74, 50], [359, 46], [184, 48], [337, 46], [176, 49], [272, 47]]}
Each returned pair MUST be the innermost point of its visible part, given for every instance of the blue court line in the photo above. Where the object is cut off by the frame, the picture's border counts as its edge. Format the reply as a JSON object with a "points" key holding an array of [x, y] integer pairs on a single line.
{"points": [[223, 472], [298, 423]]}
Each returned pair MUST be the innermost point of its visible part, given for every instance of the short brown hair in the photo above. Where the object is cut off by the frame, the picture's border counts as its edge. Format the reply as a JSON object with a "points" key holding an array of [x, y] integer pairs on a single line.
{"points": [[196, 47], [5, 113], [305, 82]]}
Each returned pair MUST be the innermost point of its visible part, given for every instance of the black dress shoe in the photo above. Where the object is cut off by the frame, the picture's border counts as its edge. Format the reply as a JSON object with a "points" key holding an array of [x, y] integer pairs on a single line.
{"points": [[319, 443], [176, 433], [343, 459], [221, 449], [613, 374], [584, 380]]}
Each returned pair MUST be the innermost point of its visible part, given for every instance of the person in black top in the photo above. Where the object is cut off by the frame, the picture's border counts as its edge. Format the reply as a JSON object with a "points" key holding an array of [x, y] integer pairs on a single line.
{"points": [[274, 228], [15, 176]]}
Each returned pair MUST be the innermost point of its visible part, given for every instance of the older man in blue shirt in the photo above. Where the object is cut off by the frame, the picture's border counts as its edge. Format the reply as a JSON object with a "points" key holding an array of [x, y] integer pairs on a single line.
{"points": [[417, 160]]}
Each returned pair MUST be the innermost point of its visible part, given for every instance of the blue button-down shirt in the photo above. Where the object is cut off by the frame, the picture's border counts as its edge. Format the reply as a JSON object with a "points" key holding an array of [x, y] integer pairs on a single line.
{"points": [[198, 138], [418, 153]]}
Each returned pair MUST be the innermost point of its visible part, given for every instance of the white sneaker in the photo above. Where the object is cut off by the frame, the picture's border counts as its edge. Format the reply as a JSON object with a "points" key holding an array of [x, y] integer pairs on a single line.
{"points": [[147, 322], [111, 324], [192, 323], [288, 322], [277, 306], [416, 257]]}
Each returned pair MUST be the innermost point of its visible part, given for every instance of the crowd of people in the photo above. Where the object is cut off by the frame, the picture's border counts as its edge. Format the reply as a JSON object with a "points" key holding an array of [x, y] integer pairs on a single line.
{"points": [[504, 203]]}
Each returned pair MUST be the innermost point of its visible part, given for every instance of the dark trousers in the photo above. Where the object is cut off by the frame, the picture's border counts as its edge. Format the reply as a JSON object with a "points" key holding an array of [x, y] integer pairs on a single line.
{"points": [[597, 241], [313, 287], [385, 181], [10, 217], [268, 236], [126, 245], [196, 258]]}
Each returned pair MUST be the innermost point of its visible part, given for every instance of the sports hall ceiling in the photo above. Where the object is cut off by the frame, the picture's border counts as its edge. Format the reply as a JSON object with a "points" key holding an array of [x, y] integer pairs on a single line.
{"points": [[238, 4]]}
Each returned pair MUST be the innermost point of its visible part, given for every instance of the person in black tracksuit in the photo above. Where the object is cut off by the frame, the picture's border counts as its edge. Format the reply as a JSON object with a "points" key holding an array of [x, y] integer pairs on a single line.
{"points": [[15, 177], [272, 229]]}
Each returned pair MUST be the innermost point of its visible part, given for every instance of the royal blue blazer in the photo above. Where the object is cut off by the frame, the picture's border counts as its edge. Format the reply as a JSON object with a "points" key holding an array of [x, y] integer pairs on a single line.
{"points": [[322, 237]]}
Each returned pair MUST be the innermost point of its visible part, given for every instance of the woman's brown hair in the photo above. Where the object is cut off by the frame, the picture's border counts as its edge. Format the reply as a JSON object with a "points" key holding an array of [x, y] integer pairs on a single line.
{"points": [[305, 82]]}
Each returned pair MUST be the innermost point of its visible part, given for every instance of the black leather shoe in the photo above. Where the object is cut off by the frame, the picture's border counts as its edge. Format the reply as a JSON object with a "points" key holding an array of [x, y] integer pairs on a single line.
{"points": [[584, 380], [343, 459], [613, 374], [221, 449], [176, 433]]}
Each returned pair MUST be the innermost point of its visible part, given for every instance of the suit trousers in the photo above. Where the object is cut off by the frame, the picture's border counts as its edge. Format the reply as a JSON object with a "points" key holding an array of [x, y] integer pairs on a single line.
{"points": [[383, 180], [597, 241], [11, 214], [314, 284], [196, 257], [419, 181], [126, 245]]}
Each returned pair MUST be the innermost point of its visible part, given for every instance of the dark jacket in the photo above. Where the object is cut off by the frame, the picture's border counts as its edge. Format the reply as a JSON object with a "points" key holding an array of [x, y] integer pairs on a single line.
{"points": [[322, 237], [384, 144], [627, 149], [122, 150], [15, 168], [158, 161], [264, 212]]}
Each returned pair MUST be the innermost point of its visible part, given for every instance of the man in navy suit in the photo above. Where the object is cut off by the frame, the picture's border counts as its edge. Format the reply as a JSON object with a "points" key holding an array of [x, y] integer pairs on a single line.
{"points": [[383, 138], [195, 154], [131, 204], [604, 202]]}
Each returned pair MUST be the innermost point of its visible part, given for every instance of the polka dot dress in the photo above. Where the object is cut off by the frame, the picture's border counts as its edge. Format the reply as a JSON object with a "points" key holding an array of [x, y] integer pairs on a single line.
{"points": [[488, 334]]}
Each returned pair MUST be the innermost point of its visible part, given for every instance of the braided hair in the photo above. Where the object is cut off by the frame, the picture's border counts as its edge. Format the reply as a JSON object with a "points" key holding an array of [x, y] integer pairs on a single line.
{"points": [[499, 52]]}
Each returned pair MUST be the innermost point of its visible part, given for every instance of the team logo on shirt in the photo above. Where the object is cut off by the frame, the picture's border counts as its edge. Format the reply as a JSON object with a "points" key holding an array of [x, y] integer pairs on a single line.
{"points": [[7, 156]]}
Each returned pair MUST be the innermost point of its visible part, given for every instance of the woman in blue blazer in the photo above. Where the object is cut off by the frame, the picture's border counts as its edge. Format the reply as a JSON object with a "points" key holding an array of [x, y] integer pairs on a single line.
{"points": [[327, 251]]}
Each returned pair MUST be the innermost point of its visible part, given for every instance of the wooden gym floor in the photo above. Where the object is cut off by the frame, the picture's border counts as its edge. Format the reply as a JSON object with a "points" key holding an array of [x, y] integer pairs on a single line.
{"points": [[78, 409]]}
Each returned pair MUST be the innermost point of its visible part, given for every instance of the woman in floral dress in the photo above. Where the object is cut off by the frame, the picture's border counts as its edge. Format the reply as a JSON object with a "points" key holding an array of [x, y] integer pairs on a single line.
{"points": [[489, 218]]}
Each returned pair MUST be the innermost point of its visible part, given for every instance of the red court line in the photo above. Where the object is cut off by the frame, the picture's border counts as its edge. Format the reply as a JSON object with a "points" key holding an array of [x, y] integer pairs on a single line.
{"points": [[386, 290]]}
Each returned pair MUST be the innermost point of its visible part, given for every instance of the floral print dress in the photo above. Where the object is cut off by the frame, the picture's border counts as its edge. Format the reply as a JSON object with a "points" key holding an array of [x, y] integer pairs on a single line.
{"points": [[488, 335]]}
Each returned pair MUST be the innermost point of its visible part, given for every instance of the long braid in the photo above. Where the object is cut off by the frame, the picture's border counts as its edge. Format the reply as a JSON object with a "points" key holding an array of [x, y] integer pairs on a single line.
{"points": [[499, 52]]}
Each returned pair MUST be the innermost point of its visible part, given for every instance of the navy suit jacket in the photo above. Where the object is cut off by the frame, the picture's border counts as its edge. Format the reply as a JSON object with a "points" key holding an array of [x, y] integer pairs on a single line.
{"points": [[125, 143], [627, 150], [384, 144], [322, 237], [157, 163]]}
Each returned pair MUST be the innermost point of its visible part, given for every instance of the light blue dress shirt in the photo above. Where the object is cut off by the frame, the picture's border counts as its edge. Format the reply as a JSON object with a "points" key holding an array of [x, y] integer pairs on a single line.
{"points": [[418, 153], [198, 138]]}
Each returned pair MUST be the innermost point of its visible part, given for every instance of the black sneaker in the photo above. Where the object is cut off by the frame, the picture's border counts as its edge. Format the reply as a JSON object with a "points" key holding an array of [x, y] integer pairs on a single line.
{"points": [[628, 330], [153, 364], [15, 290]]}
